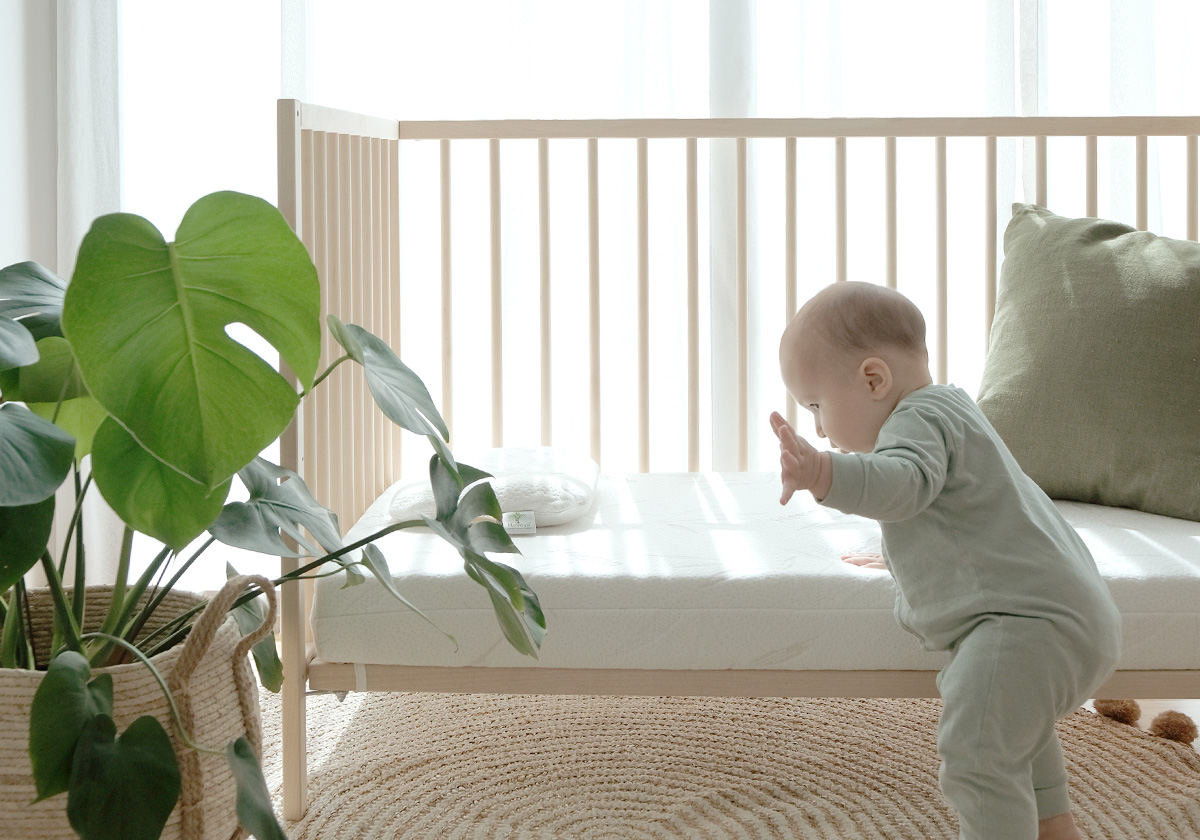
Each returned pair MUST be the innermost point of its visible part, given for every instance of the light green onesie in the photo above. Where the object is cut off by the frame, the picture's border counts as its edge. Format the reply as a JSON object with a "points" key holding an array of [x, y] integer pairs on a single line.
{"points": [[987, 568]]}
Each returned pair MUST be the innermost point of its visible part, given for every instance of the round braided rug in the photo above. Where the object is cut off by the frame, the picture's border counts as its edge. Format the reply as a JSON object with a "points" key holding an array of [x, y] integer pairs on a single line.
{"points": [[625, 768]]}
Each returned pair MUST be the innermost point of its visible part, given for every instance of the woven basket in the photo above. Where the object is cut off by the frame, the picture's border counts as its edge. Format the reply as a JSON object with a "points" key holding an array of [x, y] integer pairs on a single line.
{"points": [[214, 688]]}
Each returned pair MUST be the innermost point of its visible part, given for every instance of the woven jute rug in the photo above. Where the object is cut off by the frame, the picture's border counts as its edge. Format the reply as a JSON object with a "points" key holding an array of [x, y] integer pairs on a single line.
{"points": [[555, 768]]}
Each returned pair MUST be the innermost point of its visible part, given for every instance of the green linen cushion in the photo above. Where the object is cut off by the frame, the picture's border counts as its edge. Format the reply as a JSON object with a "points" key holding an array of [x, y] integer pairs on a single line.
{"points": [[1093, 373]]}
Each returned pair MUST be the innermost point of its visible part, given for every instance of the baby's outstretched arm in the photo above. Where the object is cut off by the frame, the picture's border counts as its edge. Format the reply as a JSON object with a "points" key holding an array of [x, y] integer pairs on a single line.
{"points": [[801, 466]]}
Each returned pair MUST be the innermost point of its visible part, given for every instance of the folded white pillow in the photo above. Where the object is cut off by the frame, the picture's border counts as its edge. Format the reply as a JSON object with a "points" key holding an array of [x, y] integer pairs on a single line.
{"points": [[557, 486]]}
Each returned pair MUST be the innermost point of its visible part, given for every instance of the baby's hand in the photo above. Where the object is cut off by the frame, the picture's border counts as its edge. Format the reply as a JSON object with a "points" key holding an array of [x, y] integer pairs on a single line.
{"points": [[865, 559], [799, 462]]}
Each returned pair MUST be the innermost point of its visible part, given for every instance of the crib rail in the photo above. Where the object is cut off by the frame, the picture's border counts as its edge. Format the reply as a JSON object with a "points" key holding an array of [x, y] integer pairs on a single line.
{"points": [[340, 183]]}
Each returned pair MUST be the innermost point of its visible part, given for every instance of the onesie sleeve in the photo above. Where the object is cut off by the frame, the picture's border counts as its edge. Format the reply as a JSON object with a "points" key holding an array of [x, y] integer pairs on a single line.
{"points": [[901, 477]]}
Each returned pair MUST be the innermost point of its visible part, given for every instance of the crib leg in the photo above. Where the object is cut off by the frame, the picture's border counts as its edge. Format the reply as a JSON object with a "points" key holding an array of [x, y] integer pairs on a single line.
{"points": [[294, 723]]}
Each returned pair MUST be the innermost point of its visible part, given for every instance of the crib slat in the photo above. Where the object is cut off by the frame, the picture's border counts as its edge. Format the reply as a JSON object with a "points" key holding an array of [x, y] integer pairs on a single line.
{"points": [[1143, 182], [840, 237], [355, 314], [544, 266], [312, 228], [363, 315], [789, 238], [1193, 188], [328, 227], [991, 225], [693, 304], [743, 333], [594, 293], [942, 268], [643, 310], [388, 291], [375, 315], [1091, 157], [1040, 167], [394, 283], [447, 290], [497, 305], [891, 244], [345, 273]]}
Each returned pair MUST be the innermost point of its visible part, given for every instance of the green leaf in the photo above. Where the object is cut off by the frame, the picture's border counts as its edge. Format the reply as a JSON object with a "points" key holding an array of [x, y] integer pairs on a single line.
{"points": [[122, 788], [147, 321], [446, 487], [79, 417], [55, 375], [485, 536], [399, 393], [478, 501], [343, 337], [253, 800], [374, 560], [24, 535], [517, 608], [10, 383], [63, 704], [249, 617], [32, 296], [17, 347], [149, 495], [35, 456], [274, 509]]}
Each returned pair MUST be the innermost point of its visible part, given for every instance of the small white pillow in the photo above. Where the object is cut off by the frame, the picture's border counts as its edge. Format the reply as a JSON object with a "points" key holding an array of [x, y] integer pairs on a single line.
{"points": [[557, 486]]}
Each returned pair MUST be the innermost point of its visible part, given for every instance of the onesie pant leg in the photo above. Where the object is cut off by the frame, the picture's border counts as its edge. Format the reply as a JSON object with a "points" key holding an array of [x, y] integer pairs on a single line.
{"points": [[1009, 679]]}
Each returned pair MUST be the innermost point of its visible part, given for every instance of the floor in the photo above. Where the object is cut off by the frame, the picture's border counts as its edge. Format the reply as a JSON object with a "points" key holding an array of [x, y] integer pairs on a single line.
{"points": [[1150, 708]]}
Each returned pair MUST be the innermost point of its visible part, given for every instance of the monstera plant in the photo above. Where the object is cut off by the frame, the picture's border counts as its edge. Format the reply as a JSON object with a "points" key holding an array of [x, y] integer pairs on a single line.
{"points": [[131, 366]]}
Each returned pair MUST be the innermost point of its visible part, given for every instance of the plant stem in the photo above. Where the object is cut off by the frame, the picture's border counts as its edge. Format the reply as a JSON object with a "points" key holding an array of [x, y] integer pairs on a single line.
{"points": [[70, 627], [79, 593], [27, 648], [162, 593], [131, 627], [75, 517], [325, 373], [117, 605], [10, 639], [183, 733], [176, 629]]}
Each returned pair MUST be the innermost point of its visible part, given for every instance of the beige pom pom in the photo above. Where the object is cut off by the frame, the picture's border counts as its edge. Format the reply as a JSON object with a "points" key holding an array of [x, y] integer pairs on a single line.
{"points": [[1122, 711], [1174, 725]]}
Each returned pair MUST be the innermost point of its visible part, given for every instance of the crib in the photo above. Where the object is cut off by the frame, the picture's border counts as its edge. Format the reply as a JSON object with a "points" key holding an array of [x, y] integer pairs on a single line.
{"points": [[341, 188]]}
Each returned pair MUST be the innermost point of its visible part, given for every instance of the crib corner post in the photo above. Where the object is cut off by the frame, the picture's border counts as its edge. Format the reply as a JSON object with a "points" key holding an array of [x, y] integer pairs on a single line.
{"points": [[294, 725]]}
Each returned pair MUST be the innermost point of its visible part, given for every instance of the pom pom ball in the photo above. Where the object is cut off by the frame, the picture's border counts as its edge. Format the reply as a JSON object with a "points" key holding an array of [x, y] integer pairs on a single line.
{"points": [[1122, 711], [1174, 725]]}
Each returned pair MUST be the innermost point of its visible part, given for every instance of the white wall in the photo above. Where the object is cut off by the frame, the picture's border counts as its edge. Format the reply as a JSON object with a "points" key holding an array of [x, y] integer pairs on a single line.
{"points": [[28, 157]]}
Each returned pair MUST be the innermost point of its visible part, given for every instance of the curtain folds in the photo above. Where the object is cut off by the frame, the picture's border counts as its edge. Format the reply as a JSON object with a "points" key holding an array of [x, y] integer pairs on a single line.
{"points": [[89, 184]]}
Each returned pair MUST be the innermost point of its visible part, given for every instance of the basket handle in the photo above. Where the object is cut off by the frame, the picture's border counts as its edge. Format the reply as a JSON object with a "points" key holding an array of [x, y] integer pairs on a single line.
{"points": [[214, 616]]}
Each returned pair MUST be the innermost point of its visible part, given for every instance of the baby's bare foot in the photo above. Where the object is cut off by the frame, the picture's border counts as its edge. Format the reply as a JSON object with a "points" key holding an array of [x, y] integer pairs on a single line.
{"points": [[1061, 827]]}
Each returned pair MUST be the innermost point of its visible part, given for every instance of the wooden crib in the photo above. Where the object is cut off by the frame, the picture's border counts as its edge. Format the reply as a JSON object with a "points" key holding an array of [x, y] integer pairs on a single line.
{"points": [[340, 187]]}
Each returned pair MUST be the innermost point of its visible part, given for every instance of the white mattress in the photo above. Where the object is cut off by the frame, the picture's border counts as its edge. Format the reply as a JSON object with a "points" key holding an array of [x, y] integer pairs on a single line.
{"points": [[697, 570]]}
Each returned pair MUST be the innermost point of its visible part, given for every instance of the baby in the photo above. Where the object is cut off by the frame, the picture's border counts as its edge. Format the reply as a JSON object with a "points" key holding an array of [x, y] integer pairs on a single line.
{"points": [[985, 565]]}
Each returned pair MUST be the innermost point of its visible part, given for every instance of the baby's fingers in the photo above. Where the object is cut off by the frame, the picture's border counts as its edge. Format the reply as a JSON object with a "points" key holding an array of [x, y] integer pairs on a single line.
{"points": [[865, 560]]}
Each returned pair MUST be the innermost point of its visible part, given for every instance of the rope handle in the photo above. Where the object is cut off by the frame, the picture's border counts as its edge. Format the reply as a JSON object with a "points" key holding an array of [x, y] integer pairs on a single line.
{"points": [[211, 619]]}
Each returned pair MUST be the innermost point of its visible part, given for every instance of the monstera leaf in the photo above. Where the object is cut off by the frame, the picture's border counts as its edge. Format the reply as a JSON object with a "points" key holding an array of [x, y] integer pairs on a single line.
{"points": [[147, 322], [149, 495], [33, 297]]}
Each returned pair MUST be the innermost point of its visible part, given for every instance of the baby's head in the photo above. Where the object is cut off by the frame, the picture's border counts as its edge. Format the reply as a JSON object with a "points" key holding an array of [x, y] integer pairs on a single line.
{"points": [[850, 355]]}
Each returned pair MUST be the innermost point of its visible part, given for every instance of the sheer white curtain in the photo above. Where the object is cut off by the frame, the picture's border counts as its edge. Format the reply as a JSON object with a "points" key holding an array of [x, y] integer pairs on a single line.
{"points": [[88, 184], [198, 115]]}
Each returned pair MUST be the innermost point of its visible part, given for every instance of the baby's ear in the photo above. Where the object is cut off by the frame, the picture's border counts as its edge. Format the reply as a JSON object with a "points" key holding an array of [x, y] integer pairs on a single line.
{"points": [[878, 377]]}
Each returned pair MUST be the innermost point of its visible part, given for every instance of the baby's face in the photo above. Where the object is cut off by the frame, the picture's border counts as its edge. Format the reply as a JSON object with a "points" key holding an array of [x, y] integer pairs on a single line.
{"points": [[836, 391]]}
